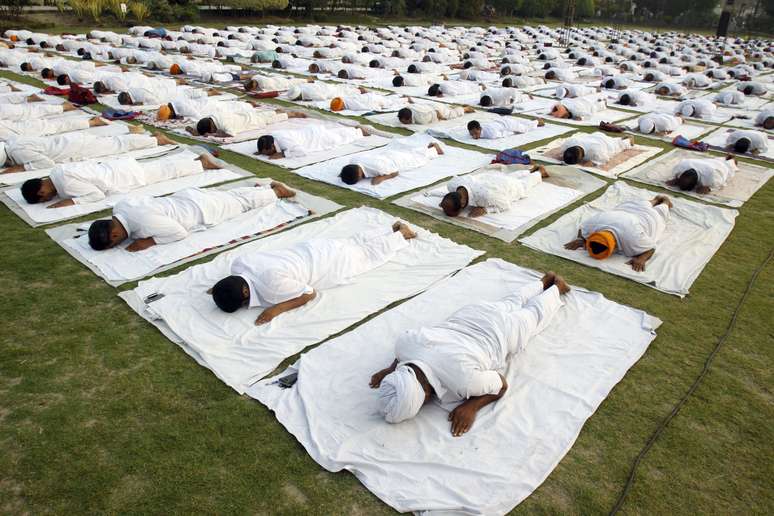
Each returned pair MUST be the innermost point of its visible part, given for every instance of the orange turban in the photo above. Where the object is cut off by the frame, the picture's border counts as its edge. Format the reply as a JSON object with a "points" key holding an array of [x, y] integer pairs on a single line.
{"points": [[175, 69], [603, 238], [165, 113], [14, 38], [337, 104]]}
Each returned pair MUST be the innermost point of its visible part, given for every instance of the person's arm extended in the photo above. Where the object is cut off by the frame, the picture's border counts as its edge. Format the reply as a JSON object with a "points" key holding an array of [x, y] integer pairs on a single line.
{"points": [[638, 262], [577, 243], [12, 169], [477, 211], [464, 415], [272, 312], [376, 379], [141, 244], [62, 203], [381, 179]]}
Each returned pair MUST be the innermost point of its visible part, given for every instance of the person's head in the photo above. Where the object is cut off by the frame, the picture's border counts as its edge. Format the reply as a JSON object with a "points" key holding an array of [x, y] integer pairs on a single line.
{"points": [[550, 75], [63, 79], [343, 74], [601, 245], [314, 68], [250, 85], [276, 64], [688, 180], [625, 99], [582, 61], [60, 47], [610, 83], [508, 82], [474, 128], [100, 88], [650, 77], [351, 174], [86, 56], [485, 100], [374, 63], [402, 393], [266, 145], [26, 67], [166, 112], [748, 90], [104, 234], [412, 69], [131, 60], [688, 110], [405, 116], [505, 70], [206, 126], [175, 69], [398, 81], [547, 66], [768, 123], [467, 64], [337, 104], [231, 293], [47, 73], [38, 190], [662, 90], [647, 126], [573, 155], [559, 111], [124, 98], [451, 204], [434, 90], [742, 145]]}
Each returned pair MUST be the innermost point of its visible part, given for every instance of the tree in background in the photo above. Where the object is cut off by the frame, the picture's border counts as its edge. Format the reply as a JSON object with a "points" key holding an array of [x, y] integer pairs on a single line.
{"points": [[537, 8], [584, 9], [506, 7]]}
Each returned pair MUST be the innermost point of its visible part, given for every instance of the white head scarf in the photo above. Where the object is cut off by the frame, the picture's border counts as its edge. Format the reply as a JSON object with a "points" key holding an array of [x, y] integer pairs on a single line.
{"points": [[294, 92], [647, 125], [400, 395], [561, 92], [3, 155], [688, 109]]}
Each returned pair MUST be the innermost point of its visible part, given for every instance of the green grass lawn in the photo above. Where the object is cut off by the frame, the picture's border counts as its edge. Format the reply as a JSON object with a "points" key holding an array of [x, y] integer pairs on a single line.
{"points": [[100, 413]]}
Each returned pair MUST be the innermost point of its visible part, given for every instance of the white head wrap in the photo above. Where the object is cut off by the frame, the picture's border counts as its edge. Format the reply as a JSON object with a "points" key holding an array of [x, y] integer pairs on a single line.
{"points": [[561, 92], [400, 395], [647, 125], [687, 109], [3, 155], [294, 92]]}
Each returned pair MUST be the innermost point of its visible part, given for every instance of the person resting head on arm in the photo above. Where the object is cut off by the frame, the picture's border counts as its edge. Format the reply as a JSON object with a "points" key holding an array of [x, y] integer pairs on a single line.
{"points": [[702, 175]]}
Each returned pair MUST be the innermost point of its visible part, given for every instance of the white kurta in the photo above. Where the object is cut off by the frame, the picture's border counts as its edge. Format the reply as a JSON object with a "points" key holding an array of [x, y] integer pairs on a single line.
{"points": [[239, 117], [321, 91], [397, 156], [295, 143], [465, 355], [584, 107], [172, 218], [697, 108], [730, 98], [658, 123], [597, 147], [368, 102], [46, 151], [424, 114], [458, 88], [713, 173], [27, 111], [573, 90], [674, 89], [503, 97], [42, 126], [496, 191], [637, 225], [758, 140], [761, 117], [278, 276], [506, 126], [638, 98]]}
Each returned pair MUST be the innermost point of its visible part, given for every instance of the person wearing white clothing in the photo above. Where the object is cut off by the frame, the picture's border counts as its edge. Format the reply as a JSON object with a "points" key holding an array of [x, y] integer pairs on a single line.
{"points": [[573, 90], [32, 152], [387, 162], [454, 89], [363, 102], [273, 83], [460, 363], [34, 111], [579, 108], [753, 142], [596, 148], [633, 227], [231, 118], [752, 88], [697, 108], [635, 98], [765, 119], [321, 91], [501, 97], [669, 89], [703, 174], [285, 279], [730, 98], [150, 221], [47, 126], [502, 127], [294, 143], [88, 182], [658, 123], [425, 114], [490, 192]]}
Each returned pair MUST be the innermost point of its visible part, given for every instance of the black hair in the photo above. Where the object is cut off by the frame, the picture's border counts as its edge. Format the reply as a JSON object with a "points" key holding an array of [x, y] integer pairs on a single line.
{"points": [[62, 79], [742, 145], [688, 180], [205, 126], [550, 74], [228, 293], [412, 69], [350, 174], [265, 142], [768, 123], [508, 82], [610, 83], [451, 204], [30, 190], [276, 64], [473, 124], [404, 113], [99, 235], [625, 99], [250, 84], [505, 70], [572, 155], [45, 71], [397, 81], [99, 87], [650, 77], [468, 64], [124, 98], [547, 66], [582, 61], [597, 247], [434, 90], [25, 67], [485, 101], [373, 63], [747, 90], [87, 56], [343, 74]]}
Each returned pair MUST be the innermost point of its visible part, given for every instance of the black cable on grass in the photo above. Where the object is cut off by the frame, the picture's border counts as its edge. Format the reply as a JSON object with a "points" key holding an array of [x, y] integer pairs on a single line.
{"points": [[662, 426]]}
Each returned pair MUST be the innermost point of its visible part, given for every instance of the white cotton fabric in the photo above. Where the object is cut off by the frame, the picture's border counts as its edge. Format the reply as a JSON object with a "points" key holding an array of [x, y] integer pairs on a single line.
{"points": [[400, 395], [555, 385], [598, 147], [17, 112], [713, 172], [636, 224], [496, 192], [498, 130], [238, 351], [454, 161], [693, 234]]}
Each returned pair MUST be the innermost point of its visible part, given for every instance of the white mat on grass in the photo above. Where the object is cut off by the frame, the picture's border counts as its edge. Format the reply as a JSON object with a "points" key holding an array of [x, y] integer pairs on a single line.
{"points": [[564, 186], [39, 214], [689, 129], [748, 122], [249, 148], [396, 102], [550, 153], [747, 180], [554, 386], [391, 120], [111, 100], [606, 115], [239, 352], [117, 266], [453, 162], [694, 232], [717, 140], [460, 133]]}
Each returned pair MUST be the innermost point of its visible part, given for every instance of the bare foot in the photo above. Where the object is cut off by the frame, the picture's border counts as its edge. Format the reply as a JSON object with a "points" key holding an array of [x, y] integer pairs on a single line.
{"points": [[163, 139], [66, 106], [136, 129], [438, 148], [548, 279], [296, 114], [208, 162], [562, 285], [543, 172], [34, 98], [404, 230], [468, 109], [366, 131], [97, 122], [541, 122], [282, 191]]}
